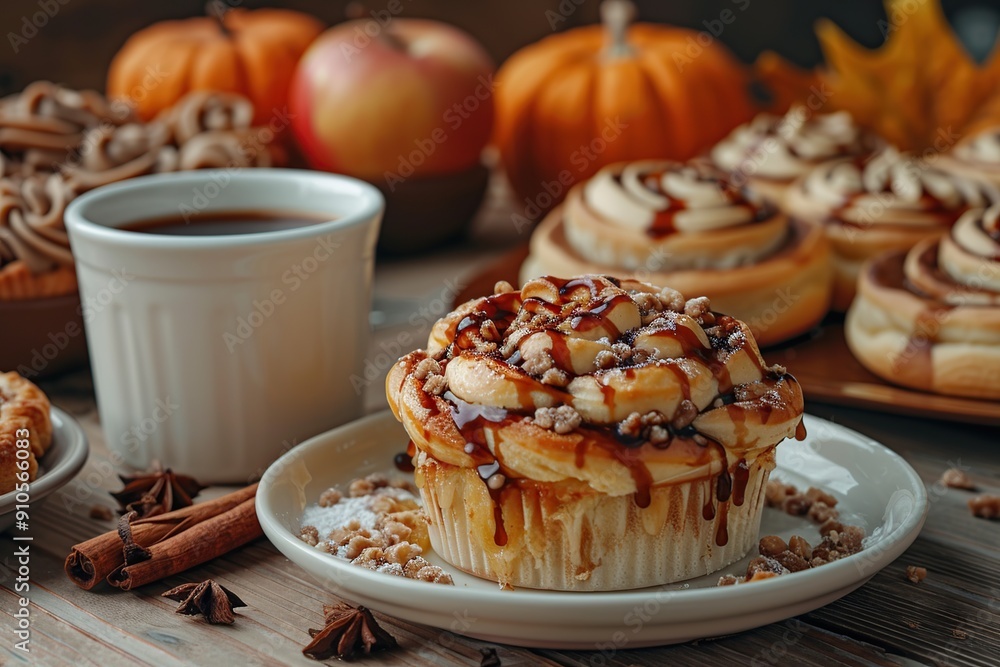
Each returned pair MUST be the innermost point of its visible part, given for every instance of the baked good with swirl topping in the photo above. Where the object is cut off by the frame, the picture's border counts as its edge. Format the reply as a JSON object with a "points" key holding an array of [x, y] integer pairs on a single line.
{"points": [[24, 415], [976, 157], [890, 201], [592, 434], [685, 225], [770, 152], [930, 318], [56, 143]]}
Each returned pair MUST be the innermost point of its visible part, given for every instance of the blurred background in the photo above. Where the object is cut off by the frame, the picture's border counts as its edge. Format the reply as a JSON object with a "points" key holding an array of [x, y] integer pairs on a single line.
{"points": [[79, 40]]}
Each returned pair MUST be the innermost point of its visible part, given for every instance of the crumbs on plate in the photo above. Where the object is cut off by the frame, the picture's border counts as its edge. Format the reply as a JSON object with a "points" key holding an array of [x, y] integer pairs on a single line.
{"points": [[778, 557], [376, 524]]}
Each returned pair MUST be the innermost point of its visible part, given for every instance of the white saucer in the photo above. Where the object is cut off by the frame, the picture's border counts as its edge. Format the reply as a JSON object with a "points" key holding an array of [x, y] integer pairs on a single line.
{"points": [[61, 463], [876, 488]]}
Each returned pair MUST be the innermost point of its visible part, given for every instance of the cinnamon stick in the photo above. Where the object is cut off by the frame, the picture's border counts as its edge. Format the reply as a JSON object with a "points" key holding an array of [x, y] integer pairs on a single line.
{"points": [[91, 562], [198, 544]]}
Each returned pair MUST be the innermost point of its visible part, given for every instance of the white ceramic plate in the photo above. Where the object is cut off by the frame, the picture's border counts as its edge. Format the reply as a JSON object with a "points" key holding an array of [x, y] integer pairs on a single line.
{"points": [[61, 463], [875, 487]]}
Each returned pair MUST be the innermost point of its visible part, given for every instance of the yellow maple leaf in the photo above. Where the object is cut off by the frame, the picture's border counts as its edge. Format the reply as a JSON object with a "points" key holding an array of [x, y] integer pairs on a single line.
{"points": [[919, 90]]}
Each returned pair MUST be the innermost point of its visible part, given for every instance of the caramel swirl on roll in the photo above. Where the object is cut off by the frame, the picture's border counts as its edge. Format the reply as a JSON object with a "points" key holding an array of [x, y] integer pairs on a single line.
{"points": [[930, 318], [669, 216], [891, 188], [889, 202], [663, 198], [686, 225], [641, 386], [783, 148], [963, 268]]}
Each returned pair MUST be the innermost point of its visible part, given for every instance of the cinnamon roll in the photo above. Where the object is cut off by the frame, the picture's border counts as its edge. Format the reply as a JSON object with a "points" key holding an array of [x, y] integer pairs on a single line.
{"points": [[686, 225], [930, 318], [25, 425], [56, 143], [35, 260], [889, 202], [770, 152], [592, 434]]}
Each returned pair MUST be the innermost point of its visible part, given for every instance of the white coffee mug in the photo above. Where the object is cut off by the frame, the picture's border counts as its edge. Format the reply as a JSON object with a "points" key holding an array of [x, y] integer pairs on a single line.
{"points": [[214, 354]]}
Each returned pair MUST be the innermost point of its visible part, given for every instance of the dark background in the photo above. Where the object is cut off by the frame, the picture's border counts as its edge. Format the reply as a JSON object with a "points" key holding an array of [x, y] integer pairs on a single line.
{"points": [[77, 43]]}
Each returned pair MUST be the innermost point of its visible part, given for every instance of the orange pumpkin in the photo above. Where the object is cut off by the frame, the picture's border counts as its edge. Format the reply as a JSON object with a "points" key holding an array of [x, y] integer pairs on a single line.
{"points": [[577, 101], [253, 53]]}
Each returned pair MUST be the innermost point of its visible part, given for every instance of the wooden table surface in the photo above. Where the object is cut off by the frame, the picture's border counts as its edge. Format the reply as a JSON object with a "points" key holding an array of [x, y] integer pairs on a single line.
{"points": [[952, 618]]}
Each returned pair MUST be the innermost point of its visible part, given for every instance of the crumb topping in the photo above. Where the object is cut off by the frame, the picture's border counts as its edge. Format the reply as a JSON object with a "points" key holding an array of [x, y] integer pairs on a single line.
{"points": [[562, 419], [378, 525]]}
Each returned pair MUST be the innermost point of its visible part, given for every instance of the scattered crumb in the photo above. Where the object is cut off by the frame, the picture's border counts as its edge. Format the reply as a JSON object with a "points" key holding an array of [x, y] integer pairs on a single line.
{"points": [[912, 625], [985, 506], [329, 498], [958, 633], [309, 535], [778, 557], [916, 574], [377, 525], [954, 478], [101, 513]]}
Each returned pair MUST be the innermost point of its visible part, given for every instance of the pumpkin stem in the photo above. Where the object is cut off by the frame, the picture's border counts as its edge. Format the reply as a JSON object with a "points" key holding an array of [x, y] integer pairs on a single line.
{"points": [[616, 16], [217, 10]]}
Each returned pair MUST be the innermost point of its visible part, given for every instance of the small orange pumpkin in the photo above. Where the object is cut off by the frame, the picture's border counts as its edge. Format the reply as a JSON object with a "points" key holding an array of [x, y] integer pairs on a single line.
{"points": [[253, 53], [577, 101]]}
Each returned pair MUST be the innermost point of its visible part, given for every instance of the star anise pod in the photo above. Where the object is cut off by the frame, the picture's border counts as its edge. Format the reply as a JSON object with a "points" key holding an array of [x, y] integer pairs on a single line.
{"points": [[347, 631], [156, 492], [210, 599]]}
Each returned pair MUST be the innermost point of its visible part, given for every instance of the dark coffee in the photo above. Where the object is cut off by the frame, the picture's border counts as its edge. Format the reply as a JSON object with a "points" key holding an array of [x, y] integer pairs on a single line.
{"points": [[226, 223]]}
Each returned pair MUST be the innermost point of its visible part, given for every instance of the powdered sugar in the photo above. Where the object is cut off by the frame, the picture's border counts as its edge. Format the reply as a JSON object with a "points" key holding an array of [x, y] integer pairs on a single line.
{"points": [[328, 519]]}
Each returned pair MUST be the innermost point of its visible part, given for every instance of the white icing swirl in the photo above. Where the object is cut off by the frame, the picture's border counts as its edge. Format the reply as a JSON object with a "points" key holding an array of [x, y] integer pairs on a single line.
{"points": [[891, 187], [967, 270], [669, 216], [693, 198], [982, 148], [786, 147]]}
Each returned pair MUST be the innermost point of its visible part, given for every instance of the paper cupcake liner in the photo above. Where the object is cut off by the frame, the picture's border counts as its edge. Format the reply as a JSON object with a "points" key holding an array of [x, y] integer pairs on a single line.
{"points": [[18, 282], [587, 541]]}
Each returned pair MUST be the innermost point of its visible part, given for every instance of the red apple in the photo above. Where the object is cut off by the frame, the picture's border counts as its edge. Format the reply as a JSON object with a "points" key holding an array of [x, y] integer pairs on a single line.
{"points": [[388, 99]]}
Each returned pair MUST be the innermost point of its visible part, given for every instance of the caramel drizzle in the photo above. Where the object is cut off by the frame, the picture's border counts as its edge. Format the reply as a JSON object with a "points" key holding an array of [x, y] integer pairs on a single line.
{"points": [[664, 220]]}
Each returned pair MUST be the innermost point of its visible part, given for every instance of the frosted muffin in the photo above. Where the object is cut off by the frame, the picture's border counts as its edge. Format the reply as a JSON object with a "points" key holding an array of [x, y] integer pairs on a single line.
{"points": [[592, 434]]}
